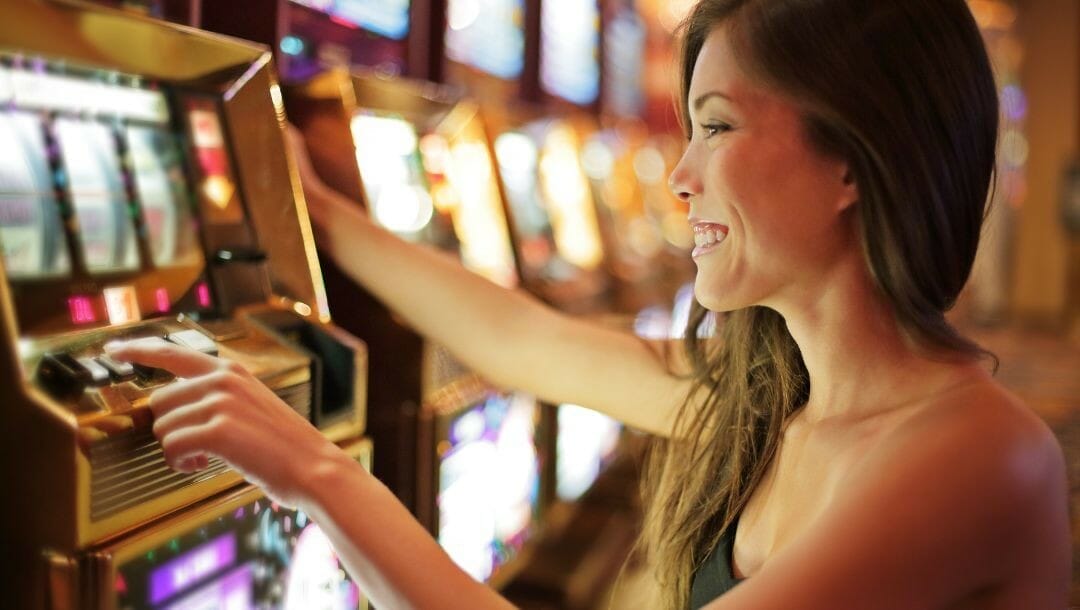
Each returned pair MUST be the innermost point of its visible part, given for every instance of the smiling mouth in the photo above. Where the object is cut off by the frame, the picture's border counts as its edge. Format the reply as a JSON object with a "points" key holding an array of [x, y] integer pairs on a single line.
{"points": [[707, 236]]}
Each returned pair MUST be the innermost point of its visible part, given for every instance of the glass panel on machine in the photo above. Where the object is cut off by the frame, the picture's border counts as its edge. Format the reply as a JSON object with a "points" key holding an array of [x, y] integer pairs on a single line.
{"points": [[569, 200], [586, 443], [387, 17], [260, 556], [488, 35], [569, 49], [489, 482], [92, 164], [220, 201], [163, 195], [388, 155], [31, 235]]}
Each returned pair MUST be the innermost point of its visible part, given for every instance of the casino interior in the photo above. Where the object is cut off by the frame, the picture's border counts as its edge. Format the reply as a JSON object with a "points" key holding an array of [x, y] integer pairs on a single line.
{"points": [[147, 189]]}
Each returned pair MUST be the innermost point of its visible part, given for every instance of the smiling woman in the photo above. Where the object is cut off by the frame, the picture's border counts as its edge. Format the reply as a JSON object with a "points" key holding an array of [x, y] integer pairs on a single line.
{"points": [[839, 444]]}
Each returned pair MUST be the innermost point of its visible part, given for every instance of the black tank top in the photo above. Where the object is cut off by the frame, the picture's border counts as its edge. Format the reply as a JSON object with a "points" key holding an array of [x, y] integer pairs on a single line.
{"points": [[715, 577]]}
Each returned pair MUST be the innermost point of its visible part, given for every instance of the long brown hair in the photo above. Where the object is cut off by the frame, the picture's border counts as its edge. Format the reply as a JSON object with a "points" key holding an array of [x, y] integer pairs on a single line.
{"points": [[904, 93]]}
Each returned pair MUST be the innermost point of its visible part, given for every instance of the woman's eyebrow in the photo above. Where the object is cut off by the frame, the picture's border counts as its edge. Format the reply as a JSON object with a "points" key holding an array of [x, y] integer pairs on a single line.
{"points": [[704, 97]]}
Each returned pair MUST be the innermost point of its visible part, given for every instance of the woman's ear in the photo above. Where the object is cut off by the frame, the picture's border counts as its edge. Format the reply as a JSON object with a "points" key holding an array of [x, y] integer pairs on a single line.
{"points": [[849, 195]]}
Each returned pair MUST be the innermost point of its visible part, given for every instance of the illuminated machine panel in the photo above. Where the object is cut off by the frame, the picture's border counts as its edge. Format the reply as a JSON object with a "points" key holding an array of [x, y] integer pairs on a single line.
{"points": [[585, 444], [438, 186], [30, 232], [144, 192], [570, 49], [550, 194], [487, 470], [388, 18], [488, 35], [243, 551]]}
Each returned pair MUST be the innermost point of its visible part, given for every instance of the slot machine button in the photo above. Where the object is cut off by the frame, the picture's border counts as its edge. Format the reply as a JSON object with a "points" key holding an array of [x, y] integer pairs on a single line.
{"points": [[99, 375], [120, 371], [62, 375], [195, 340]]}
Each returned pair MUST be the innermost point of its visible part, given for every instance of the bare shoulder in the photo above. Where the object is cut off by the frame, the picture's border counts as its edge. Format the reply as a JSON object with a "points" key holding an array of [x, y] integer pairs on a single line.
{"points": [[991, 477], [987, 429]]}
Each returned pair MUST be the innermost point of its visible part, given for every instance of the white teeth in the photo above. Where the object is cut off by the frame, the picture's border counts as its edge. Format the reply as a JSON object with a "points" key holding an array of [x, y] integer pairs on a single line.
{"points": [[708, 238]]}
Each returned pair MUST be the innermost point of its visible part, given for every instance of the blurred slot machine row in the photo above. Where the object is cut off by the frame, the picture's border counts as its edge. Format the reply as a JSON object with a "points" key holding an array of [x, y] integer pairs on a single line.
{"points": [[145, 196], [139, 200]]}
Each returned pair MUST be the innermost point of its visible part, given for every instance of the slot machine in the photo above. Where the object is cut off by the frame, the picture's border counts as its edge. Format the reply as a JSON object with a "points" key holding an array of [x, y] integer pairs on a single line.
{"points": [[142, 175], [418, 157], [489, 52]]}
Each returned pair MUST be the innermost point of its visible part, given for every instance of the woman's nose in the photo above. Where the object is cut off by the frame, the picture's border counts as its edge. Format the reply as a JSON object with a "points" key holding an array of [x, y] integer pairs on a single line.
{"points": [[684, 181]]}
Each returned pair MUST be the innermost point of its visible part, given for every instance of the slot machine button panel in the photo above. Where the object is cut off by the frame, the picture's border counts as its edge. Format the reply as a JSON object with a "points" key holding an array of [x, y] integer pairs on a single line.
{"points": [[63, 375], [195, 340], [99, 375], [119, 371]]}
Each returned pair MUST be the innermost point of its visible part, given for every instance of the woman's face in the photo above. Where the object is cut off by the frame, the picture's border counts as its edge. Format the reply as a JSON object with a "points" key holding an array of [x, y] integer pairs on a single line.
{"points": [[770, 212]]}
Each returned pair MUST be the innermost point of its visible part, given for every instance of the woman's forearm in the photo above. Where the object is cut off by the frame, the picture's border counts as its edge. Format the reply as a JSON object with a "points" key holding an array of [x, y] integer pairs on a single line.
{"points": [[505, 335], [392, 557]]}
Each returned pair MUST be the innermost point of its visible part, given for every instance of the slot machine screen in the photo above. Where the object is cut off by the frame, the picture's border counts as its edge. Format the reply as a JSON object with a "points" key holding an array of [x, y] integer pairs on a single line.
{"points": [[585, 444], [488, 35], [260, 555], [570, 49], [91, 160], [30, 230], [98, 213], [159, 179], [396, 188], [388, 18], [518, 157], [624, 62], [489, 483]]}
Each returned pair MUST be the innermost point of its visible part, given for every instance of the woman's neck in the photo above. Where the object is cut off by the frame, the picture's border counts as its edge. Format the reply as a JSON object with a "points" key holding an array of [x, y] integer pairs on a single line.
{"points": [[859, 361]]}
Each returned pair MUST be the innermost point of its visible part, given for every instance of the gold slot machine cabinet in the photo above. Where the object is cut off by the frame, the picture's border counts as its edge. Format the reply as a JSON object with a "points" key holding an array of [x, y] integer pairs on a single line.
{"points": [[417, 156], [142, 175], [466, 457]]}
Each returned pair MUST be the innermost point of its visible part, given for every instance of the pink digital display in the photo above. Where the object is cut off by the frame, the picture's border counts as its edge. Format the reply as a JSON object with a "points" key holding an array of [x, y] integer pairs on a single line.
{"points": [[161, 300], [202, 292], [82, 310]]}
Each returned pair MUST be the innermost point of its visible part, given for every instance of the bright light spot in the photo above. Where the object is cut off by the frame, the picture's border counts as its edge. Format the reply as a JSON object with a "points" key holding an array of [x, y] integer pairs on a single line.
{"points": [[434, 150], [302, 308], [291, 45], [649, 165], [462, 13], [384, 136], [403, 208], [516, 152], [597, 160], [219, 190]]}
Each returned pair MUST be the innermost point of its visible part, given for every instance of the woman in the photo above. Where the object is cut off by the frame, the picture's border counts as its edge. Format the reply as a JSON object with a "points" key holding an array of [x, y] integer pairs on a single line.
{"points": [[839, 445]]}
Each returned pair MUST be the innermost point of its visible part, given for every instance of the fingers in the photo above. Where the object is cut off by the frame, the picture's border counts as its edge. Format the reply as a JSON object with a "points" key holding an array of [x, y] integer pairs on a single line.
{"points": [[159, 353], [186, 448], [223, 380], [185, 416]]}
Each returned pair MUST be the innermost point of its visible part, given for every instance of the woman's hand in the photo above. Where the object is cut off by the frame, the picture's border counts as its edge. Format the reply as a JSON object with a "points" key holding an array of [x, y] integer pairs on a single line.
{"points": [[217, 408]]}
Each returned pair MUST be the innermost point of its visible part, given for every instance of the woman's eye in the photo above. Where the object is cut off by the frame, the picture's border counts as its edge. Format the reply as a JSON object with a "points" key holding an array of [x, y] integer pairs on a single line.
{"points": [[712, 129]]}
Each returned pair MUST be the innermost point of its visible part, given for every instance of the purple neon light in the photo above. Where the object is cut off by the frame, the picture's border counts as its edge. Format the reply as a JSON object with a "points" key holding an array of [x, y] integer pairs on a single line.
{"points": [[191, 567], [234, 590]]}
